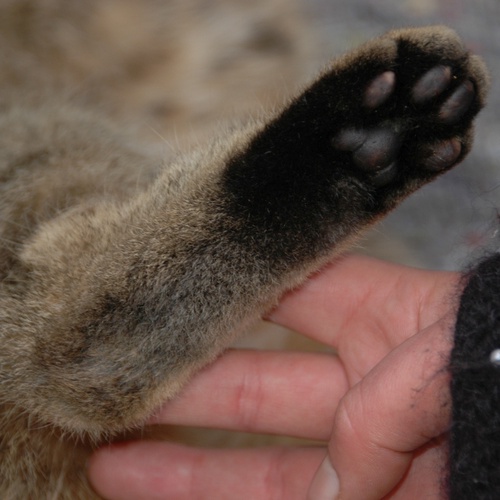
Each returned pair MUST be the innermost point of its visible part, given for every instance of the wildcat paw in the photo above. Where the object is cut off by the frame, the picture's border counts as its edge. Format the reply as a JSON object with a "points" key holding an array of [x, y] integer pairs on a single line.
{"points": [[376, 150], [378, 124], [413, 114]]}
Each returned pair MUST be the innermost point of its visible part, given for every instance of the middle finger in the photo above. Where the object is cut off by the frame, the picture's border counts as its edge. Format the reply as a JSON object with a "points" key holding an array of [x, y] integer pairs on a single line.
{"points": [[262, 391]]}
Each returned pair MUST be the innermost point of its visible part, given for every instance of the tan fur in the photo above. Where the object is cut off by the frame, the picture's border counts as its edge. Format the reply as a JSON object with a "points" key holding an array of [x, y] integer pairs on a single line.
{"points": [[68, 71], [122, 275]]}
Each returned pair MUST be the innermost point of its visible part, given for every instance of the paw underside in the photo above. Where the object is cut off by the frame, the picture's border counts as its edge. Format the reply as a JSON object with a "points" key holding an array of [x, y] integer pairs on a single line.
{"points": [[381, 122], [413, 116], [376, 149]]}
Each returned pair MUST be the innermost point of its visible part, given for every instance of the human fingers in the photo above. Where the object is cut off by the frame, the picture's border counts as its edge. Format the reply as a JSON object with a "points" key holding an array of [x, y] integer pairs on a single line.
{"points": [[358, 293], [402, 405], [259, 391], [158, 470]]}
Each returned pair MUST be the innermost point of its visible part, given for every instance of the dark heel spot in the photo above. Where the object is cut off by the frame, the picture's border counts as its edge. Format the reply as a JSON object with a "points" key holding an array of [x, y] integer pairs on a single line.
{"points": [[458, 103], [431, 84]]}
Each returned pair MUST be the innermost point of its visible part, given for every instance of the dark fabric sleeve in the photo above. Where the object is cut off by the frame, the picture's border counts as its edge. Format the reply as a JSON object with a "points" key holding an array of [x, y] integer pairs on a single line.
{"points": [[475, 388]]}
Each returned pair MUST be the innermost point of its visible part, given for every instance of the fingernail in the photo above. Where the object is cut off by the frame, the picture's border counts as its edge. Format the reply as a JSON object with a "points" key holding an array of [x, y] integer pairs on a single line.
{"points": [[325, 485]]}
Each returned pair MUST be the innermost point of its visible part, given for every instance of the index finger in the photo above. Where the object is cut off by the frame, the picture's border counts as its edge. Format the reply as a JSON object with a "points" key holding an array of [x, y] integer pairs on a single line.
{"points": [[356, 293]]}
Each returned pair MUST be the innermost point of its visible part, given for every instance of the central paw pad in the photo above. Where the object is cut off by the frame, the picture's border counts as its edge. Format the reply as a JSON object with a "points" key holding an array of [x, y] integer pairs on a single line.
{"points": [[373, 150]]}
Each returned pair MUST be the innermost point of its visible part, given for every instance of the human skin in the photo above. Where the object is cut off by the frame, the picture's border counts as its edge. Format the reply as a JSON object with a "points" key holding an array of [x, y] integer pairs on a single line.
{"points": [[382, 403]]}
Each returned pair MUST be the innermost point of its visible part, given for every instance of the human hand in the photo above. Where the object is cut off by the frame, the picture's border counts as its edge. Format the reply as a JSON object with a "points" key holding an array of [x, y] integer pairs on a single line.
{"points": [[382, 403]]}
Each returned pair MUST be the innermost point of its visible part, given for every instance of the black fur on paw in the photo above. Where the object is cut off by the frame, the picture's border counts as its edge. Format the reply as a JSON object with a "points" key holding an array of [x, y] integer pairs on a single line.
{"points": [[378, 124]]}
